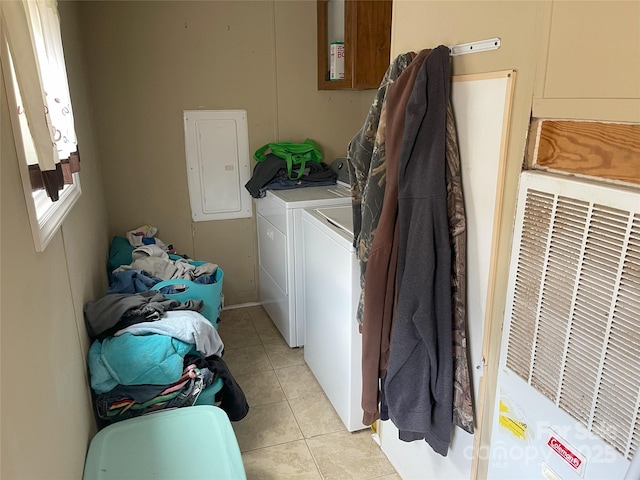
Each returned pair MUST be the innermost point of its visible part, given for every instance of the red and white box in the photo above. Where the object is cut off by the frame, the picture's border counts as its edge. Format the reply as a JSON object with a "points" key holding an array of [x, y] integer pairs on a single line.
{"points": [[336, 65]]}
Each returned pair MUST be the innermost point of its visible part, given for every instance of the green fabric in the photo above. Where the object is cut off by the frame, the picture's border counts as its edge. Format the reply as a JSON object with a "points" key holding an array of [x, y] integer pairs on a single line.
{"points": [[292, 153], [119, 253]]}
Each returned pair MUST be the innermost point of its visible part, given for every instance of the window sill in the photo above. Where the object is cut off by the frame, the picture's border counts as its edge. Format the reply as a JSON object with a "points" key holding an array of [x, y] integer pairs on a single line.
{"points": [[46, 216]]}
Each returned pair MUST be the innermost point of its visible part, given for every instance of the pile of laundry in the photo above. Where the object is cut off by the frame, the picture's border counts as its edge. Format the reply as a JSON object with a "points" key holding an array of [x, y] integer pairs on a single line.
{"points": [[139, 260], [272, 174], [150, 352]]}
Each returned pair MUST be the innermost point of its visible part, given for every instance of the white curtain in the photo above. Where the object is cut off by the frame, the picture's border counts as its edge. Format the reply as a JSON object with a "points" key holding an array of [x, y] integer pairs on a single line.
{"points": [[33, 34]]}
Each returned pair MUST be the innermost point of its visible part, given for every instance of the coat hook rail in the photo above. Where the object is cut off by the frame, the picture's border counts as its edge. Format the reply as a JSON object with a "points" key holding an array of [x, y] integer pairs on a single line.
{"points": [[473, 47]]}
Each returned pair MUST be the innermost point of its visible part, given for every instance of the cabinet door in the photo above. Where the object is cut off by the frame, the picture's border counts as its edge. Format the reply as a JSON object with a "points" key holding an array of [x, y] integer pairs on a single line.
{"points": [[367, 43], [590, 68], [370, 35], [594, 50]]}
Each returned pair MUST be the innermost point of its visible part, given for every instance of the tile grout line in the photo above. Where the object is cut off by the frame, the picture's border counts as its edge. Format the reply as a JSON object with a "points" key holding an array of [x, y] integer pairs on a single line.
{"points": [[313, 457], [284, 392], [304, 438], [288, 400], [281, 387], [262, 344]]}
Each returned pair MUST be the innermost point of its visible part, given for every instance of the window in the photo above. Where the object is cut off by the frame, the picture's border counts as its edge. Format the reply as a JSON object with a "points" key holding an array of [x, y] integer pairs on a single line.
{"points": [[35, 78]]}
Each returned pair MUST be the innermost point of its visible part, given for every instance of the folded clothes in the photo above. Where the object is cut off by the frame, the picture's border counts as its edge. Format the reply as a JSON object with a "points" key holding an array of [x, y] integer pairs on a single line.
{"points": [[126, 402]]}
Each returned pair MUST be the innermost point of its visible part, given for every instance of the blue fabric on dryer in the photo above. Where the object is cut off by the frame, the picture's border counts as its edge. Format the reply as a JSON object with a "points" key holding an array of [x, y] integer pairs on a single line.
{"points": [[280, 183], [136, 360]]}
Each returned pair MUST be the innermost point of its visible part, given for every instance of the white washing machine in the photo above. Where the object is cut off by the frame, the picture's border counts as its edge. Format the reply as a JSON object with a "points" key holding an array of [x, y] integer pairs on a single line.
{"points": [[331, 284], [279, 238]]}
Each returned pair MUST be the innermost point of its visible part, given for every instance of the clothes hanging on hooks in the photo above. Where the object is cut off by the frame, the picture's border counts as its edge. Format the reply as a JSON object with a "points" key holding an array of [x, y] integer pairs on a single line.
{"points": [[374, 168], [380, 276], [419, 382]]}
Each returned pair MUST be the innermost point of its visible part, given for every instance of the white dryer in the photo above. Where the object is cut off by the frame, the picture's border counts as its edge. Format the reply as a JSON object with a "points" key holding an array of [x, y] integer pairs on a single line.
{"points": [[333, 348], [280, 266]]}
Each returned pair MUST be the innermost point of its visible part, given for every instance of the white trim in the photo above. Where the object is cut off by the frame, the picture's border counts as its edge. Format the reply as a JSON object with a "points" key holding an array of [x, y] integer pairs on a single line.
{"points": [[242, 305], [56, 212], [46, 224]]}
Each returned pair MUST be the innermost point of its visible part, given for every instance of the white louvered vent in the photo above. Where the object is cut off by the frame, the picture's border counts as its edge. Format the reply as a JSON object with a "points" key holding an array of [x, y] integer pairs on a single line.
{"points": [[574, 329]]}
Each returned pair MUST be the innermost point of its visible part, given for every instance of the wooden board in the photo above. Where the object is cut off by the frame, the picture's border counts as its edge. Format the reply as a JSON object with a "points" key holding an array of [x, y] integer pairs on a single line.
{"points": [[597, 149]]}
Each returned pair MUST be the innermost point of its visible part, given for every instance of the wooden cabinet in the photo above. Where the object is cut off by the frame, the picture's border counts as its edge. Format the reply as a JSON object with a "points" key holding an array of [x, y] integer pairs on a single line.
{"points": [[589, 64], [367, 44]]}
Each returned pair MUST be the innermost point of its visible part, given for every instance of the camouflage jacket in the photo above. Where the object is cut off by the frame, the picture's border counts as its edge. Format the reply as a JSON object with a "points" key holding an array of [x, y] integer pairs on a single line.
{"points": [[462, 388], [366, 157]]}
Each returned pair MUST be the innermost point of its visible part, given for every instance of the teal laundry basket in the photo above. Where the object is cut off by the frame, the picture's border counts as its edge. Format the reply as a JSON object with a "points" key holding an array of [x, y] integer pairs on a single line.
{"points": [[120, 253], [210, 294], [186, 443]]}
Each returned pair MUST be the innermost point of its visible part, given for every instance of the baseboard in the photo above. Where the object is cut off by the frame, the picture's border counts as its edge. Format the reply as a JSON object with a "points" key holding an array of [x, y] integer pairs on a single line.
{"points": [[241, 305]]}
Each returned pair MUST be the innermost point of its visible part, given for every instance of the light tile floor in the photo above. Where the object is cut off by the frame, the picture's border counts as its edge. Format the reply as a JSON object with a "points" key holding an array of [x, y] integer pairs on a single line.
{"points": [[291, 432]]}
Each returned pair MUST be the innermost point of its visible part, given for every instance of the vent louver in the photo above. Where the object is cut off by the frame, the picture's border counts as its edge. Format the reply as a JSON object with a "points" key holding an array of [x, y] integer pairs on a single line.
{"points": [[574, 331]]}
